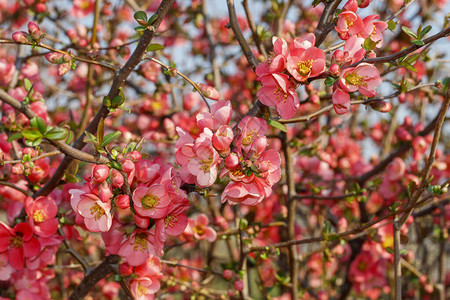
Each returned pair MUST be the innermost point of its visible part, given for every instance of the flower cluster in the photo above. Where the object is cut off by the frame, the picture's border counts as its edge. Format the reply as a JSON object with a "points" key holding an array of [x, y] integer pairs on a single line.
{"points": [[301, 60], [250, 166], [157, 202]]}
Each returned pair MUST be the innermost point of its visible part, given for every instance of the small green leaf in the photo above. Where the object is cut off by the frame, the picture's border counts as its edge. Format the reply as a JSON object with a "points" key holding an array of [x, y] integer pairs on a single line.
{"points": [[418, 42], [71, 178], [56, 133], [410, 67], [109, 138], [34, 143], [140, 16], [392, 25], [409, 32], [369, 45], [425, 31], [412, 58], [243, 224], [139, 28], [39, 123], [276, 124], [28, 85], [154, 47], [15, 136], [152, 19], [404, 252], [90, 138], [69, 137], [389, 250], [116, 165], [330, 81], [32, 134]]}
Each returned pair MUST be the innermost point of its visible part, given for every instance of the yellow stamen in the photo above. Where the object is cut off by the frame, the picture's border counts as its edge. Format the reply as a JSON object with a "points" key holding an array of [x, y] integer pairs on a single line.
{"points": [[16, 241], [205, 164], [140, 242], [39, 216], [141, 290], [356, 80], [170, 221], [305, 66], [97, 211], [150, 201]]}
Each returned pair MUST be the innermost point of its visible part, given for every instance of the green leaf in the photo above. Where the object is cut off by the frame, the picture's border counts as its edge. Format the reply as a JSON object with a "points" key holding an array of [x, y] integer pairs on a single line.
{"points": [[152, 19], [418, 42], [28, 85], [154, 47], [409, 32], [140, 16], [100, 130], [32, 134], [389, 250], [276, 124], [109, 138], [412, 58], [139, 28], [15, 136], [409, 67], [369, 45], [56, 133], [90, 138], [392, 25], [69, 137], [39, 123], [425, 31], [34, 143], [330, 81]]}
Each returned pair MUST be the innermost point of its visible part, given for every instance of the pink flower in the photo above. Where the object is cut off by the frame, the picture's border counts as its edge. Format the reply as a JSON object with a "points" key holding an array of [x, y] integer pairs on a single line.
{"points": [[374, 29], [268, 166], [353, 50], [7, 70], [82, 8], [246, 193], [144, 288], [137, 248], [19, 242], [278, 91], [5, 269], [364, 78], [96, 214], [341, 101], [221, 112], [199, 228], [34, 31], [176, 221], [251, 129], [204, 165], [42, 215], [303, 63], [277, 62], [348, 23], [209, 91], [222, 139], [100, 173], [151, 202]]}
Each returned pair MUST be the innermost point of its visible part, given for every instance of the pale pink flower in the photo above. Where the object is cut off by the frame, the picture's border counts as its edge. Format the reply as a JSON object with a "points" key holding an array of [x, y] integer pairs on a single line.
{"points": [[221, 112], [42, 215], [151, 201], [246, 193], [144, 288], [268, 166], [251, 128], [373, 29], [353, 50], [82, 8], [348, 23], [96, 213], [5, 268], [7, 70], [364, 78], [278, 91], [137, 248], [222, 139], [198, 227], [204, 164]]}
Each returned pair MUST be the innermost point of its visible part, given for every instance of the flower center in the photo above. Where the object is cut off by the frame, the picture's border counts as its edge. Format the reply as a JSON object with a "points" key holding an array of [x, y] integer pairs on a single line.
{"points": [[16, 241], [205, 165], [140, 242], [141, 290], [97, 211], [280, 94], [305, 66], [355, 79], [250, 137], [170, 221], [362, 266], [349, 22], [39, 216], [150, 201], [199, 230]]}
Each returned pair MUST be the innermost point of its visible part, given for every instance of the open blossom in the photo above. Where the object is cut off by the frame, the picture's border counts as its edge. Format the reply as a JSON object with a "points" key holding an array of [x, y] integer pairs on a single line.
{"points": [[151, 201], [198, 227], [373, 29], [348, 23], [251, 129], [246, 193], [42, 215], [341, 101], [137, 248], [364, 78], [277, 62], [19, 243], [204, 164], [96, 214], [278, 91], [221, 112], [305, 60]]}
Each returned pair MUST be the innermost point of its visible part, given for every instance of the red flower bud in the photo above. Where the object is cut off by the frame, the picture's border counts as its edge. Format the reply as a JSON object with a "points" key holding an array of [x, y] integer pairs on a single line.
{"points": [[63, 69], [227, 274], [34, 31], [209, 91], [239, 285], [381, 106], [20, 37], [335, 70], [54, 57], [123, 201], [116, 179], [100, 173]]}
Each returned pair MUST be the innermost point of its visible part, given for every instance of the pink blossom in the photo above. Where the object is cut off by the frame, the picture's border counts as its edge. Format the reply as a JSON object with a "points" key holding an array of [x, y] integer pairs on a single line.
{"points": [[143, 288], [19, 242], [251, 128], [277, 62], [198, 227], [208, 91], [353, 50], [100, 173], [137, 248], [221, 112], [374, 29], [151, 202], [222, 139], [246, 193], [176, 221], [305, 63], [7, 70], [96, 214], [278, 91], [42, 215], [364, 78], [82, 8], [204, 165], [348, 23], [34, 31], [341, 101], [20, 37], [5, 268]]}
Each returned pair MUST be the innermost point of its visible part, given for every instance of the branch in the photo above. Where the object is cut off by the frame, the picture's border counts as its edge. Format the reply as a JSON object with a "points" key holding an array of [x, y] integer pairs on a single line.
{"points": [[63, 147], [118, 82], [252, 25], [101, 271], [11, 185], [325, 24]]}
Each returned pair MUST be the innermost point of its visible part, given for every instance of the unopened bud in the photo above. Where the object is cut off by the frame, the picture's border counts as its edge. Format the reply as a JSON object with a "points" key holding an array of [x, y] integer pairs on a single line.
{"points": [[334, 70], [381, 106], [209, 91], [63, 69], [34, 31], [20, 37], [123, 201]]}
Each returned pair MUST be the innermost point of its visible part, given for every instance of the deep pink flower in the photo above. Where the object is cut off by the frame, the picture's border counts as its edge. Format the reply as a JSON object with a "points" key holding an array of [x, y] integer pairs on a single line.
{"points": [[42, 215], [176, 221], [137, 248], [305, 63], [364, 78], [198, 227], [277, 62], [222, 139], [278, 91], [373, 29], [19, 242], [251, 128], [151, 201], [144, 288], [341, 101]]}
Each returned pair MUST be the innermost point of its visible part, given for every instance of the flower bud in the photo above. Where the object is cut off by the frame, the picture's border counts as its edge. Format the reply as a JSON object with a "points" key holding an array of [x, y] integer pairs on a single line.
{"points": [[134, 156], [169, 126], [63, 69], [125, 270], [334, 70], [337, 57], [127, 166], [257, 148], [18, 169], [54, 57], [364, 3], [41, 7], [232, 161], [141, 222], [104, 192], [20, 37], [100, 173], [123, 201], [381, 106], [239, 285], [209, 91], [222, 139], [34, 31], [227, 274]]}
